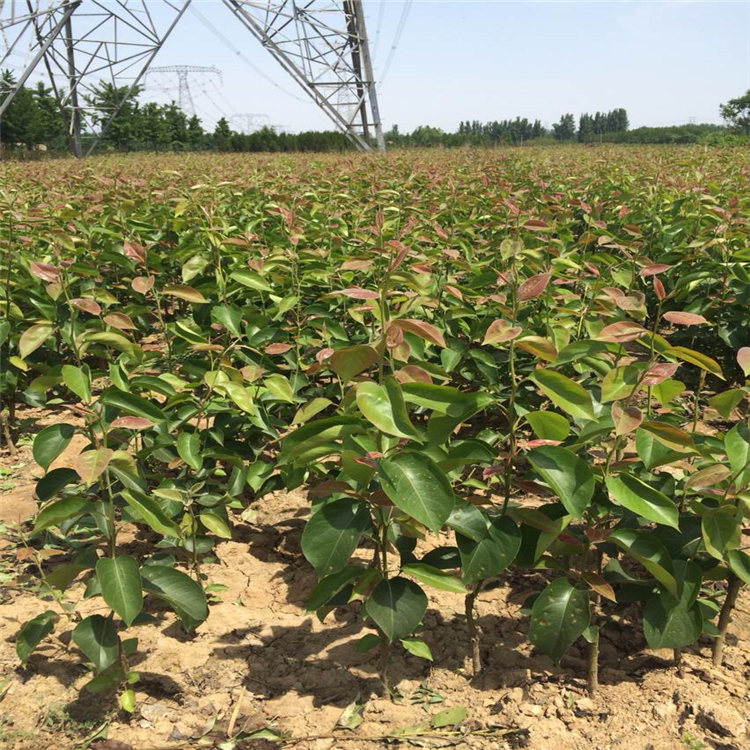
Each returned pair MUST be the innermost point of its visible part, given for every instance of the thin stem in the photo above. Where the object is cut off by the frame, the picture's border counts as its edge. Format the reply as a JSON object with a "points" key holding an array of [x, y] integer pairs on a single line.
{"points": [[725, 616], [471, 625], [592, 672]]}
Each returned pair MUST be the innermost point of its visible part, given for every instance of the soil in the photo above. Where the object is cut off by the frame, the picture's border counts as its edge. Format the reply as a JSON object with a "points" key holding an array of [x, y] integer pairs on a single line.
{"points": [[260, 661]]}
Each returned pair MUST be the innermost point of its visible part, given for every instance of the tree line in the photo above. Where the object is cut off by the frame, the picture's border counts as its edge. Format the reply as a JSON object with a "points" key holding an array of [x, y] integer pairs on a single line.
{"points": [[34, 118]]}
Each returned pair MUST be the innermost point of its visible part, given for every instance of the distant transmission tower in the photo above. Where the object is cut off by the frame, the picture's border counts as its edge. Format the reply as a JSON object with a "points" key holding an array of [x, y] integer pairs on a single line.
{"points": [[321, 44], [184, 96], [247, 121]]}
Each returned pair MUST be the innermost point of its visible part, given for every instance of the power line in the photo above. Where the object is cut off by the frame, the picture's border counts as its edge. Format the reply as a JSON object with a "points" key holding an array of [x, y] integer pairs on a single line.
{"points": [[397, 38], [240, 54], [381, 13]]}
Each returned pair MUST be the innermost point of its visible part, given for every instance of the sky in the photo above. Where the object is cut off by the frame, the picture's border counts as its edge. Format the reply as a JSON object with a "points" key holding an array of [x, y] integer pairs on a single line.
{"points": [[665, 62]]}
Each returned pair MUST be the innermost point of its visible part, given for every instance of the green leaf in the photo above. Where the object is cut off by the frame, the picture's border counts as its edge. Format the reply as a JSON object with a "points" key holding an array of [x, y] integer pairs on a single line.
{"points": [[132, 404], [77, 380], [120, 582], [51, 442], [384, 407], [280, 387], [309, 436], [670, 628], [90, 465], [62, 510], [696, 358], [352, 360], [178, 590], [333, 533], [644, 500], [215, 524], [548, 425], [649, 552], [396, 606], [150, 511], [33, 632], [310, 409], [675, 622], [418, 486], [417, 647], [669, 436], [620, 383], [230, 317], [32, 338], [434, 577], [448, 717], [737, 446], [487, 557], [559, 616], [97, 637], [726, 402], [564, 393], [652, 452], [251, 279], [739, 562], [329, 586], [52, 482], [189, 448], [568, 476], [721, 530], [182, 291], [445, 399]]}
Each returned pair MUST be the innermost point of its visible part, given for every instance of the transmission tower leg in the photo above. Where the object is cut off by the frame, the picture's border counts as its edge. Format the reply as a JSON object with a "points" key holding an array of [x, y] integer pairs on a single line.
{"points": [[44, 46], [369, 77], [75, 121], [139, 76]]}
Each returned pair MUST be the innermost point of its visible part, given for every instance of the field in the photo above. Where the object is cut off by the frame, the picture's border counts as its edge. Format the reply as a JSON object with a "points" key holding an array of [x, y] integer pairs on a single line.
{"points": [[442, 448]]}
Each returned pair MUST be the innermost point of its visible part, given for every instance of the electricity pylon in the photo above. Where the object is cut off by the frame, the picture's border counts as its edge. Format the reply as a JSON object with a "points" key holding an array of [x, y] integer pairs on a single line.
{"points": [[184, 95], [322, 44], [247, 120]]}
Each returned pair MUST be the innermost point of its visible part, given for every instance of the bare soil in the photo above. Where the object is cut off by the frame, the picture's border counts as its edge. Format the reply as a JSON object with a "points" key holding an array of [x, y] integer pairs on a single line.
{"points": [[261, 661]]}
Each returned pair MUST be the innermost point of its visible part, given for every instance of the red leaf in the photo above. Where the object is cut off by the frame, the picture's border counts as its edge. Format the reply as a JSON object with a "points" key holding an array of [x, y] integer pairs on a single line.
{"points": [[533, 287], [356, 264], [620, 332], [654, 269], [44, 271], [87, 305], [453, 291], [536, 225], [423, 330], [659, 289], [501, 331], [743, 359], [119, 320], [394, 337], [132, 423], [659, 372], [684, 318], [355, 292], [142, 284], [401, 252], [323, 354], [277, 348], [135, 252], [412, 374]]}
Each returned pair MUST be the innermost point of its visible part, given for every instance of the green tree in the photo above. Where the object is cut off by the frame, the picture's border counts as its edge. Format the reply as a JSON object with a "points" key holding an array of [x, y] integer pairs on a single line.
{"points": [[736, 112], [20, 124], [223, 135], [106, 99], [565, 130]]}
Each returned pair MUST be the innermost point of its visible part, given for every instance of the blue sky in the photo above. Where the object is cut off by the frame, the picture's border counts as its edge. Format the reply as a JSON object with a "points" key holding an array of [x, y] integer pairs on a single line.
{"points": [[665, 62]]}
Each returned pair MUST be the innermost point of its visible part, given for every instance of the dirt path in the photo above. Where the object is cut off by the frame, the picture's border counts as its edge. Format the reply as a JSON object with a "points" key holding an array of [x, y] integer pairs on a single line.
{"points": [[260, 659]]}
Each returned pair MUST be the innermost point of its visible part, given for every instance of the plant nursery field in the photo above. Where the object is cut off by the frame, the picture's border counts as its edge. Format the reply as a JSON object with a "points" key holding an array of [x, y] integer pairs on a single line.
{"points": [[436, 449]]}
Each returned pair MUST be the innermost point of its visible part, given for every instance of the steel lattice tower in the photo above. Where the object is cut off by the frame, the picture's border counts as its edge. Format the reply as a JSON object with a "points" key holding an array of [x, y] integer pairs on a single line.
{"points": [[322, 44], [184, 95]]}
